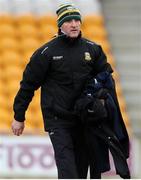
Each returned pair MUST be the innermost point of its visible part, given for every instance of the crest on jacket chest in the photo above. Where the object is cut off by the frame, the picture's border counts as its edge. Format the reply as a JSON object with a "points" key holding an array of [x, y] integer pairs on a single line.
{"points": [[88, 56]]}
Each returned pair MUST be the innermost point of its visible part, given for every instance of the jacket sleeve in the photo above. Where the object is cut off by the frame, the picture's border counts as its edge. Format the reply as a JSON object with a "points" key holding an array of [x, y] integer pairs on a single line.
{"points": [[33, 76], [100, 60]]}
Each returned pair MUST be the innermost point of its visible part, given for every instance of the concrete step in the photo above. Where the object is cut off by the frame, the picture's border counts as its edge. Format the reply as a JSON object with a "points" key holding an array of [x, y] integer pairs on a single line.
{"points": [[122, 16], [135, 126], [131, 92], [115, 16], [122, 10], [123, 48], [128, 62], [123, 23], [133, 101], [134, 52], [133, 111], [135, 120], [132, 85], [119, 44], [122, 2], [126, 79], [132, 104], [128, 73], [131, 57], [124, 28], [129, 76], [127, 30], [124, 38], [124, 42]]}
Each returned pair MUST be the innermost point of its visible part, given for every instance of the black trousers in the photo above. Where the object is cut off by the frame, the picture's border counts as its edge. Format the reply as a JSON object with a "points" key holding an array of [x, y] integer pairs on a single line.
{"points": [[86, 152], [72, 155], [63, 141]]}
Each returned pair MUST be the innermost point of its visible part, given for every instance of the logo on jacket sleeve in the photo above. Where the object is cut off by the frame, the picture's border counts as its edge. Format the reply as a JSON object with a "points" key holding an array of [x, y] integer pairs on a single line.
{"points": [[88, 56]]}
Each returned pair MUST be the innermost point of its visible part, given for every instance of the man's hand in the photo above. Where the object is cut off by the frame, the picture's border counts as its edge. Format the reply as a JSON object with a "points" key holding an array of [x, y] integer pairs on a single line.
{"points": [[17, 127]]}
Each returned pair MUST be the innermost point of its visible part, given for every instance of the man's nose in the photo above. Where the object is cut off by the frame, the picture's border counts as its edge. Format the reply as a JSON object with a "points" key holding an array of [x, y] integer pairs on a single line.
{"points": [[73, 22]]}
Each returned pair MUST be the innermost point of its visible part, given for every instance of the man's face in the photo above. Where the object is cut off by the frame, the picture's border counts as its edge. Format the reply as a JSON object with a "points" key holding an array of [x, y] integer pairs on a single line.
{"points": [[71, 28]]}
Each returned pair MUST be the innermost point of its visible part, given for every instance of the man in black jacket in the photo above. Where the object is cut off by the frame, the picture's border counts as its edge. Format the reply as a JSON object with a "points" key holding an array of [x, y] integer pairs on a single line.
{"points": [[61, 68]]}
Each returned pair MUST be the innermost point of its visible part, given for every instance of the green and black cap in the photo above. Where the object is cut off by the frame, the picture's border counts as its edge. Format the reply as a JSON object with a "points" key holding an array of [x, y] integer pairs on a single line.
{"points": [[66, 12]]}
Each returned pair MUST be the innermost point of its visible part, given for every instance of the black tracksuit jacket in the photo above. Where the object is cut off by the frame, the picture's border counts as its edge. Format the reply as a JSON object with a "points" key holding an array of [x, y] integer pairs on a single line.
{"points": [[61, 68]]}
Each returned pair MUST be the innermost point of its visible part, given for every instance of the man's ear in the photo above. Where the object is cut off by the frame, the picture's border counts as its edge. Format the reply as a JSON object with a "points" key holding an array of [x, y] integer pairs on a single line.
{"points": [[60, 28]]}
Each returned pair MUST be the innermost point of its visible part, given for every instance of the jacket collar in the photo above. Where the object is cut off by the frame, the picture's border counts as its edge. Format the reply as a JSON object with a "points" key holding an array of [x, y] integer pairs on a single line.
{"points": [[67, 39]]}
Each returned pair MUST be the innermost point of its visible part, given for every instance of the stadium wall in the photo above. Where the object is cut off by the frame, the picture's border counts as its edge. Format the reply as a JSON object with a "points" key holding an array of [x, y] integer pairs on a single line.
{"points": [[32, 157]]}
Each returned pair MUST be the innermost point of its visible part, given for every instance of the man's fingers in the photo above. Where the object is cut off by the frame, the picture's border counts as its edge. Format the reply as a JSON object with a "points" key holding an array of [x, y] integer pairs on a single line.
{"points": [[17, 127], [21, 131], [17, 132]]}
